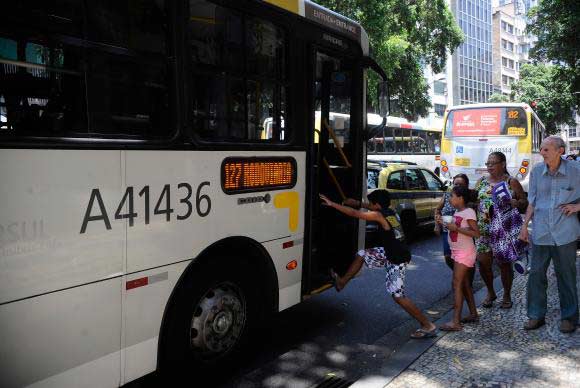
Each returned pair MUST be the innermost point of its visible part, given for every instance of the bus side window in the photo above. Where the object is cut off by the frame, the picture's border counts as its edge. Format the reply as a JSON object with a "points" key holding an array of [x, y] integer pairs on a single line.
{"points": [[128, 72], [79, 71], [42, 84], [239, 82], [389, 140]]}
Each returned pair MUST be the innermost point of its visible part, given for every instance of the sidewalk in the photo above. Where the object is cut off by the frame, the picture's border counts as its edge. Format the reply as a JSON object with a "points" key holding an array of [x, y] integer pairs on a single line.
{"points": [[497, 352]]}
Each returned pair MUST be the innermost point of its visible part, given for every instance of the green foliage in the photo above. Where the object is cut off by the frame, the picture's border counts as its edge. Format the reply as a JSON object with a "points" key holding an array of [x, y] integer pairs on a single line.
{"points": [[404, 35], [552, 93], [497, 97], [556, 23]]}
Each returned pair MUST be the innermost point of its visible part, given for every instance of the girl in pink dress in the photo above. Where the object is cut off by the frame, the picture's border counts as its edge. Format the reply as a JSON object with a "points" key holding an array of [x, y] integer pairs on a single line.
{"points": [[461, 233]]}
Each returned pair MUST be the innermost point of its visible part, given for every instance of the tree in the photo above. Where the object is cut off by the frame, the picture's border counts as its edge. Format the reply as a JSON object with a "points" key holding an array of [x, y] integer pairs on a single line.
{"points": [[543, 85], [404, 36], [556, 23], [497, 97]]}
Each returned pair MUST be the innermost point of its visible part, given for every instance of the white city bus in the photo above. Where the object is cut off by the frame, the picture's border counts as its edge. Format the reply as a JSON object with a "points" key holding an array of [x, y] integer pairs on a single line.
{"points": [[474, 131], [146, 222], [399, 140]]}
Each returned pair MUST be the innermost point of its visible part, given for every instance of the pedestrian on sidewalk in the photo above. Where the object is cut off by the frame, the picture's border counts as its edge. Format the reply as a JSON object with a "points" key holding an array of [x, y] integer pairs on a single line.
{"points": [[496, 167], [393, 256], [554, 196], [461, 233], [444, 208]]}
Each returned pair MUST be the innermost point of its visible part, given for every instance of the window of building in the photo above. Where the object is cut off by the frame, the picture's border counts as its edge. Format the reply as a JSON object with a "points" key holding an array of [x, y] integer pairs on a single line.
{"points": [[509, 63], [506, 80], [440, 109], [439, 87], [507, 27], [239, 76], [507, 45]]}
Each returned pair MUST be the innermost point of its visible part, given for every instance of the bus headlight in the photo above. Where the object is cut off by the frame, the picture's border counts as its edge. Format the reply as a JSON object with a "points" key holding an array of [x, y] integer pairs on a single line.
{"points": [[523, 170]]}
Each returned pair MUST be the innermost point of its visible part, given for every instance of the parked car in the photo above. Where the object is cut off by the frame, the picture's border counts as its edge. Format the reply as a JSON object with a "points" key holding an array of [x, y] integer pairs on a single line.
{"points": [[415, 191]]}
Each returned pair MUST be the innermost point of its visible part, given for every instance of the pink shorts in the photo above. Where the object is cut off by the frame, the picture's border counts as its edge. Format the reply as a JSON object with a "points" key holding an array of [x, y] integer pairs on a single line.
{"points": [[465, 257]]}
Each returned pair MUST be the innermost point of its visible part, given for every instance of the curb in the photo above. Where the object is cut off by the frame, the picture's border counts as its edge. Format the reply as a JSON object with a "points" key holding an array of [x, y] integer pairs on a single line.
{"points": [[412, 349]]}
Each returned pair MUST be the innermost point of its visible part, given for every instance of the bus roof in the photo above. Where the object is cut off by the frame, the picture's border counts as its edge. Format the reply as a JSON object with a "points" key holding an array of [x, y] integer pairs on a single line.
{"points": [[398, 122], [491, 105], [327, 18]]}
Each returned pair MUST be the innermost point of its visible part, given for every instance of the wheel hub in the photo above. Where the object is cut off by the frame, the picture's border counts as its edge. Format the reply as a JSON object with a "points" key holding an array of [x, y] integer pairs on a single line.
{"points": [[218, 320]]}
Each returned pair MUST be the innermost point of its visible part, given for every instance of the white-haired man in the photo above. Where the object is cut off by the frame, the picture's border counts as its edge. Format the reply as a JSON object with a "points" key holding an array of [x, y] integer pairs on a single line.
{"points": [[553, 202]]}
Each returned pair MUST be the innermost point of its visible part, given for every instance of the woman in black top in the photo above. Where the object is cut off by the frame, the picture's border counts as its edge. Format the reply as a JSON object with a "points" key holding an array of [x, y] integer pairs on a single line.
{"points": [[393, 255]]}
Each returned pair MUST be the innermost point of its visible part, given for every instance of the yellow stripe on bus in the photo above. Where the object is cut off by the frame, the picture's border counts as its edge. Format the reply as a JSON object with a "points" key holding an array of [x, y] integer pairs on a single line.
{"points": [[291, 201], [290, 5], [445, 146]]}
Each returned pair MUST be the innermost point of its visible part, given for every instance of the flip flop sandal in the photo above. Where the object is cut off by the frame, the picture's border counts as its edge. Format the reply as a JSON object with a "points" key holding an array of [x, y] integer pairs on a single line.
{"points": [[469, 320], [488, 303], [506, 305], [421, 334], [450, 328]]}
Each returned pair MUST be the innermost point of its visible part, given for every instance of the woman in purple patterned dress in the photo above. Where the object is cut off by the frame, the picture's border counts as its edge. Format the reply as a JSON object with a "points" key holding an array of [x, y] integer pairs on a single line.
{"points": [[496, 167]]}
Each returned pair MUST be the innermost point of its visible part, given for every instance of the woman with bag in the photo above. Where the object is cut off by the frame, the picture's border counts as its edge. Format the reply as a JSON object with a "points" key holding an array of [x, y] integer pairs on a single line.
{"points": [[496, 167]]}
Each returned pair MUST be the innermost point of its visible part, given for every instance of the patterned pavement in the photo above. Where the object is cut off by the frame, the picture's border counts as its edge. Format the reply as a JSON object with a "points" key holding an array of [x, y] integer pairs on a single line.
{"points": [[497, 352]]}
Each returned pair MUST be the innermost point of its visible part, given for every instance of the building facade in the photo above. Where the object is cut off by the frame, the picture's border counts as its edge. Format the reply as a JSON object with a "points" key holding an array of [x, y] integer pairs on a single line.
{"points": [[571, 135], [471, 64], [510, 46]]}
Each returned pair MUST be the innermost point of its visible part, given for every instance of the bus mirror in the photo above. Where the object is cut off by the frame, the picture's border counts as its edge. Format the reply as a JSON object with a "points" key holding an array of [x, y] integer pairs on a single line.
{"points": [[383, 95]]}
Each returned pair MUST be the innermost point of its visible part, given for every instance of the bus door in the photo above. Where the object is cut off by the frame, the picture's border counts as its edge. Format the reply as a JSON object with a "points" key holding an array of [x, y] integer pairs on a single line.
{"points": [[333, 146]]}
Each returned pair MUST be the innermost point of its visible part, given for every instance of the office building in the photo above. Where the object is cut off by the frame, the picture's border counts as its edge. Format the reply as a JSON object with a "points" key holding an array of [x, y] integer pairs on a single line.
{"points": [[471, 64]]}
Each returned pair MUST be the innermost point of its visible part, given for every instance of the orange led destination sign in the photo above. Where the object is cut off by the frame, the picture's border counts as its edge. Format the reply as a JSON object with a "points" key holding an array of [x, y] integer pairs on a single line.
{"points": [[242, 175]]}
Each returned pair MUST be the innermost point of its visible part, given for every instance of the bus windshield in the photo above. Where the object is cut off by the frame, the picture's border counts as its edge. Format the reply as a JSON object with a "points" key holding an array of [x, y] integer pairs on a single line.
{"points": [[496, 121]]}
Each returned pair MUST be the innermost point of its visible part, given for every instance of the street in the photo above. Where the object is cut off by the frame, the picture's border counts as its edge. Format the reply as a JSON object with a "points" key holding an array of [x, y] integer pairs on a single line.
{"points": [[338, 333], [327, 332]]}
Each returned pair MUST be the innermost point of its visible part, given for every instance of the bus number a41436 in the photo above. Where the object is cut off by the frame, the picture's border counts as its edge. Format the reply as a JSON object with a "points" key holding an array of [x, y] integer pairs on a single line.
{"points": [[126, 208]]}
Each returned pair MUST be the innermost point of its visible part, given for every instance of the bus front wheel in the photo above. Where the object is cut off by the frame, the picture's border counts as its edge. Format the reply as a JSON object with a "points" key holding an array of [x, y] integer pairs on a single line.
{"points": [[209, 320]]}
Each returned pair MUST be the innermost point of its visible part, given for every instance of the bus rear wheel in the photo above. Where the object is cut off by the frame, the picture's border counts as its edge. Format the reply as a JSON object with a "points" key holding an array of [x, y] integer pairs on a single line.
{"points": [[209, 320]]}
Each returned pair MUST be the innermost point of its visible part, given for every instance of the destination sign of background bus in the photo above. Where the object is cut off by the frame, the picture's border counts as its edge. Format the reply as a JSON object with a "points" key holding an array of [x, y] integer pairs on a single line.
{"points": [[472, 132]]}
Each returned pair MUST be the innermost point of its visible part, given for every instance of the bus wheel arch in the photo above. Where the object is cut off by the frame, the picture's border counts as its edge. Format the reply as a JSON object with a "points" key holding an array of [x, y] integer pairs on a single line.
{"points": [[216, 305]]}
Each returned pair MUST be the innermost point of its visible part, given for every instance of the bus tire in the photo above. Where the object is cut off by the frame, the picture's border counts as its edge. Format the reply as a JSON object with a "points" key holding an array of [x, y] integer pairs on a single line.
{"points": [[409, 224], [209, 320]]}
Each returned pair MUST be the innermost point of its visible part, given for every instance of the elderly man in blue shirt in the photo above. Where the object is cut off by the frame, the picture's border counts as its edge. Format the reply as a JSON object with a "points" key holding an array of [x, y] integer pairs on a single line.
{"points": [[554, 198]]}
